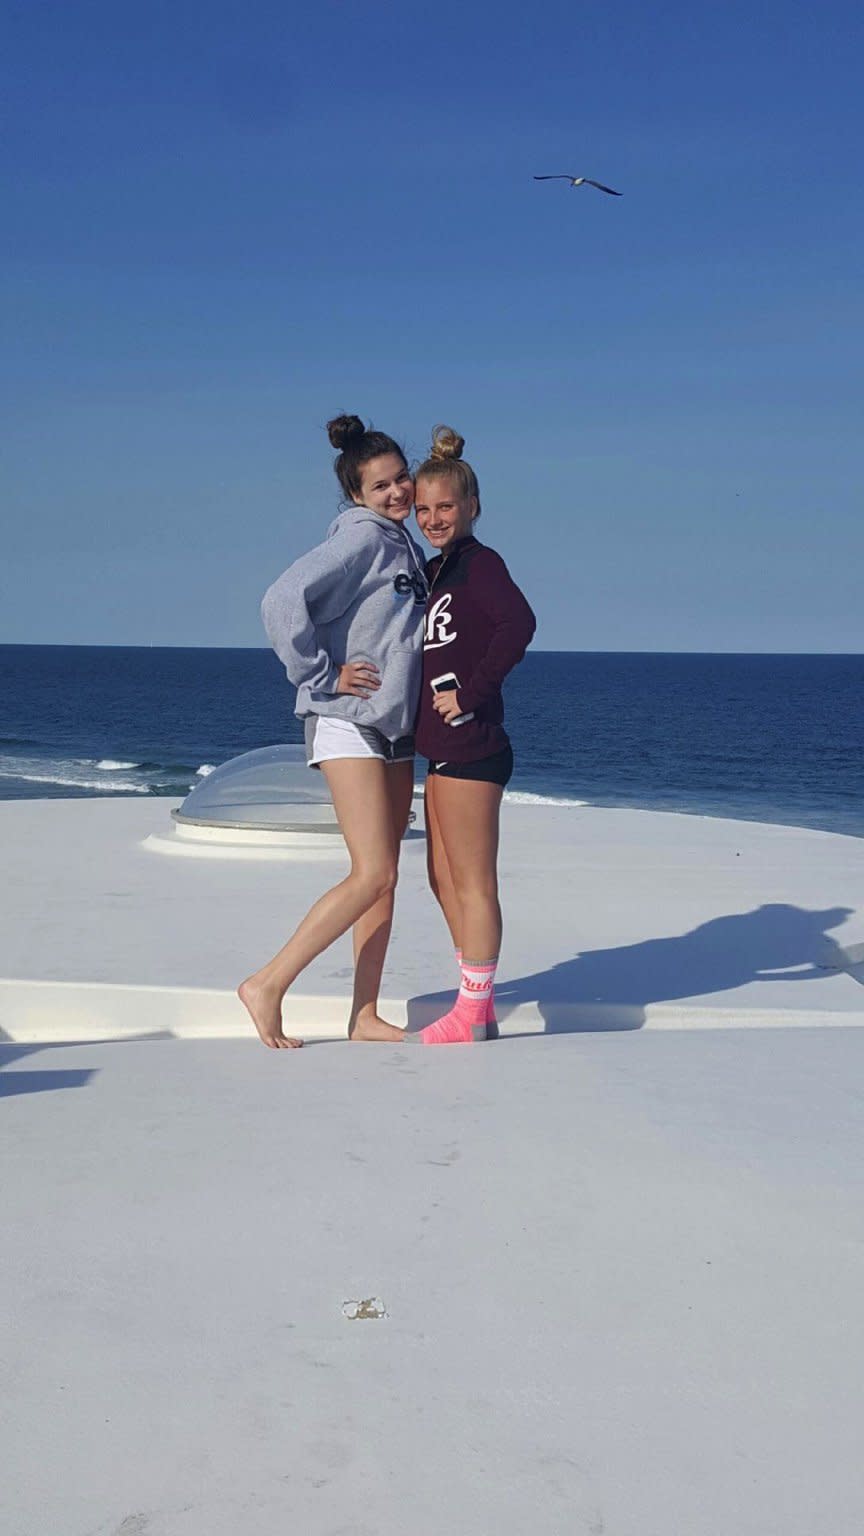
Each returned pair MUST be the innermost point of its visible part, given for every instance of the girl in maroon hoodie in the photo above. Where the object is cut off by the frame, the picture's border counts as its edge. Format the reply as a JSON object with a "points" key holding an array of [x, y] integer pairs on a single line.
{"points": [[478, 626]]}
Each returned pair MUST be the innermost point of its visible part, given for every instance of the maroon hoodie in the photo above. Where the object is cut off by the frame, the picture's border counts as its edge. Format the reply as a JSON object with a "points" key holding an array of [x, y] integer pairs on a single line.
{"points": [[479, 626]]}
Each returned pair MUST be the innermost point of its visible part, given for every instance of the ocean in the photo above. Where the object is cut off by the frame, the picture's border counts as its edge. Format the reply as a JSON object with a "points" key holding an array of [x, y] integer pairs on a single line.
{"points": [[764, 738]]}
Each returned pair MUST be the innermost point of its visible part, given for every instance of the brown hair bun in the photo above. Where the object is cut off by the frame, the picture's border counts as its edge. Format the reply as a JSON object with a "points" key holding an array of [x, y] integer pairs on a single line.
{"points": [[342, 428], [357, 447], [446, 444]]}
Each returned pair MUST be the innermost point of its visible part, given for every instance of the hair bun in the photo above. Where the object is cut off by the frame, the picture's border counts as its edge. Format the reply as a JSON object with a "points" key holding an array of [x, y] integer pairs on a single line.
{"points": [[342, 428], [446, 444]]}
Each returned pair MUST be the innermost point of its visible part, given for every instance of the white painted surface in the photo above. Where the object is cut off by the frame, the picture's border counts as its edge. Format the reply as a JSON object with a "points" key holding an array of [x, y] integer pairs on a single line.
{"points": [[622, 1279], [614, 920], [220, 843], [53, 1012]]}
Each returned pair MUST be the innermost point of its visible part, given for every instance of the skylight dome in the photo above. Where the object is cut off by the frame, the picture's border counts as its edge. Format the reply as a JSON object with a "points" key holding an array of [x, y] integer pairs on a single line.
{"points": [[268, 790], [265, 804]]}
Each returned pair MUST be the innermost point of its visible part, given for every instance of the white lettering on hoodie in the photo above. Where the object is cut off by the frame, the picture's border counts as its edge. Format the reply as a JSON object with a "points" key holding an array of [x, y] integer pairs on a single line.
{"points": [[437, 620]]}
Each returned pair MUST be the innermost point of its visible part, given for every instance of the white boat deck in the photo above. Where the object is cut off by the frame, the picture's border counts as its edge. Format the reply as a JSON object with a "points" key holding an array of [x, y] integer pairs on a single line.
{"points": [[612, 1277], [622, 1278], [614, 920]]}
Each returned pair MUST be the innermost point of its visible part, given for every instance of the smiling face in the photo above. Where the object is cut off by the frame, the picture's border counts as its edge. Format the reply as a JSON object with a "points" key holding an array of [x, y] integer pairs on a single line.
{"points": [[444, 514], [386, 486]]}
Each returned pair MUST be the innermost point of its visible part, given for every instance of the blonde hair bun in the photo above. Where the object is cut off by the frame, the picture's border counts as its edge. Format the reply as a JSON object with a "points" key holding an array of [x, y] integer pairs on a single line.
{"points": [[445, 462], [446, 444], [342, 428]]}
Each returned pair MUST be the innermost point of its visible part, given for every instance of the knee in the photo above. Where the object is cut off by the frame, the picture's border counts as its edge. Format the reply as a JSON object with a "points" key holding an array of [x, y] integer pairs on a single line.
{"points": [[474, 890], [379, 881], [387, 879]]}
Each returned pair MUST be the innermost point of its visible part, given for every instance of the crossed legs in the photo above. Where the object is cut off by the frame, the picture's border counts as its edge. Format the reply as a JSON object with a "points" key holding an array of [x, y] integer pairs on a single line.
{"points": [[372, 931], [371, 799]]}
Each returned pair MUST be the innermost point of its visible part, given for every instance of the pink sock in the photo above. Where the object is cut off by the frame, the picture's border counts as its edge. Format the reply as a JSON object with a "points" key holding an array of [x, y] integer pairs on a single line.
{"points": [[466, 1020], [491, 1020]]}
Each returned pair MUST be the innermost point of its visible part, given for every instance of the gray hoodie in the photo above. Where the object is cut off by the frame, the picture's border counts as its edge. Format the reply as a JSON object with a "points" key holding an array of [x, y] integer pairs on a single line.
{"points": [[359, 596]]}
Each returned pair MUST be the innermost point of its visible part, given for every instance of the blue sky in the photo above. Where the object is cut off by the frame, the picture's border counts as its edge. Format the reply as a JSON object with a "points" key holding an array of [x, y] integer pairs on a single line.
{"points": [[226, 223]]}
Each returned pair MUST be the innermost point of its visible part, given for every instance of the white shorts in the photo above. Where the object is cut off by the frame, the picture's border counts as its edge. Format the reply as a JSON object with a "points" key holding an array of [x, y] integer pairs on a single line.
{"points": [[329, 738]]}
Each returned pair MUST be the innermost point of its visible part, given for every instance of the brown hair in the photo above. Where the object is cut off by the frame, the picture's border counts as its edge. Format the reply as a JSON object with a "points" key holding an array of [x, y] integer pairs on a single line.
{"points": [[445, 459], [356, 447]]}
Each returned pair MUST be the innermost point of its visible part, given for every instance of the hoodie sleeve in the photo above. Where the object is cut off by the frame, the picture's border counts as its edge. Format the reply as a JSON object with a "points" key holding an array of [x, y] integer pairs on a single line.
{"points": [[496, 593], [315, 590]]}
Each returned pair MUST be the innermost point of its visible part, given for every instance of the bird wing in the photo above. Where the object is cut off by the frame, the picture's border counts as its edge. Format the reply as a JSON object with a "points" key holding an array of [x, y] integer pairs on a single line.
{"points": [[553, 178], [600, 187]]}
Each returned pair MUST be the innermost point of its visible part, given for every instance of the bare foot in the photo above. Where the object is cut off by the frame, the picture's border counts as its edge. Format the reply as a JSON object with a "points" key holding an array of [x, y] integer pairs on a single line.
{"points": [[369, 1027], [265, 1011]]}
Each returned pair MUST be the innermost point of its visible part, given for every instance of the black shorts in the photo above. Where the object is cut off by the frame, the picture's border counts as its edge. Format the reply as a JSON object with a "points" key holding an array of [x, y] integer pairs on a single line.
{"points": [[496, 769]]}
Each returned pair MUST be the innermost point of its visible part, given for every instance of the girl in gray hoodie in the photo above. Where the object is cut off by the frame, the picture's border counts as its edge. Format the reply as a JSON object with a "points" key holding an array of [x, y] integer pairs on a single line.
{"points": [[347, 621]]}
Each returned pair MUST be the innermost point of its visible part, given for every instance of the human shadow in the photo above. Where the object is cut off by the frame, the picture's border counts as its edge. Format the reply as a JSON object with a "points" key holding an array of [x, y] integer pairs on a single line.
{"points": [[610, 989], [15, 1082], [12, 1083]]}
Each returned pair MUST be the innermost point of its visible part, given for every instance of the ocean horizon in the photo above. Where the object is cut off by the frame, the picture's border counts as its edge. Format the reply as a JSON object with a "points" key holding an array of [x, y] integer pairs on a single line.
{"points": [[756, 736]]}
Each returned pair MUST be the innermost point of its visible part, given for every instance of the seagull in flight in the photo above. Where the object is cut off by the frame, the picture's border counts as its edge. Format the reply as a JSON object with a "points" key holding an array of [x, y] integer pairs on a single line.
{"points": [[582, 181]]}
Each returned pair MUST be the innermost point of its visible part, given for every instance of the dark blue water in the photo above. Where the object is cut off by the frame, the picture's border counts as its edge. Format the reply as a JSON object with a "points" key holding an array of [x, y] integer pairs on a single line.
{"points": [[768, 738]]}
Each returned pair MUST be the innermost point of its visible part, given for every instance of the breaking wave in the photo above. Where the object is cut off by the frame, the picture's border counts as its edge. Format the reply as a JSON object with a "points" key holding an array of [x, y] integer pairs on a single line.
{"points": [[69, 776], [125, 776], [524, 797], [97, 776]]}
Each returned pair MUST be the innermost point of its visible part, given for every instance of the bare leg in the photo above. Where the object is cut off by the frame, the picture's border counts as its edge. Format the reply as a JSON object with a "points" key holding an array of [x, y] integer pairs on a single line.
{"points": [[443, 888], [362, 803], [438, 867], [372, 930], [467, 824], [466, 819]]}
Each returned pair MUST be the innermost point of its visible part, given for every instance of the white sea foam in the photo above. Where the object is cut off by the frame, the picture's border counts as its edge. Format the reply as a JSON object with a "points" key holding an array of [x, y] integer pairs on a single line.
{"points": [[524, 797], [105, 775], [75, 782], [69, 773]]}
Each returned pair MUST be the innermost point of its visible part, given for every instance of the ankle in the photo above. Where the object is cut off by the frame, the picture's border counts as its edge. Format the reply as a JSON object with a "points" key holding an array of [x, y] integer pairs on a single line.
{"points": [[264, 986]]}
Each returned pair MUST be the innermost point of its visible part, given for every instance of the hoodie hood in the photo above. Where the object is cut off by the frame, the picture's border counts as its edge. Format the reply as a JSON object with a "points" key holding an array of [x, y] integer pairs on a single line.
{"points": [[354, 519], [353, 516]]}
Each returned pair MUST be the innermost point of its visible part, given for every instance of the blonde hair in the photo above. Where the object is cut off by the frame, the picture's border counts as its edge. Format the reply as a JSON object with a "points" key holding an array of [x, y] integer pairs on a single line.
{"points": [[445, 460]]}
